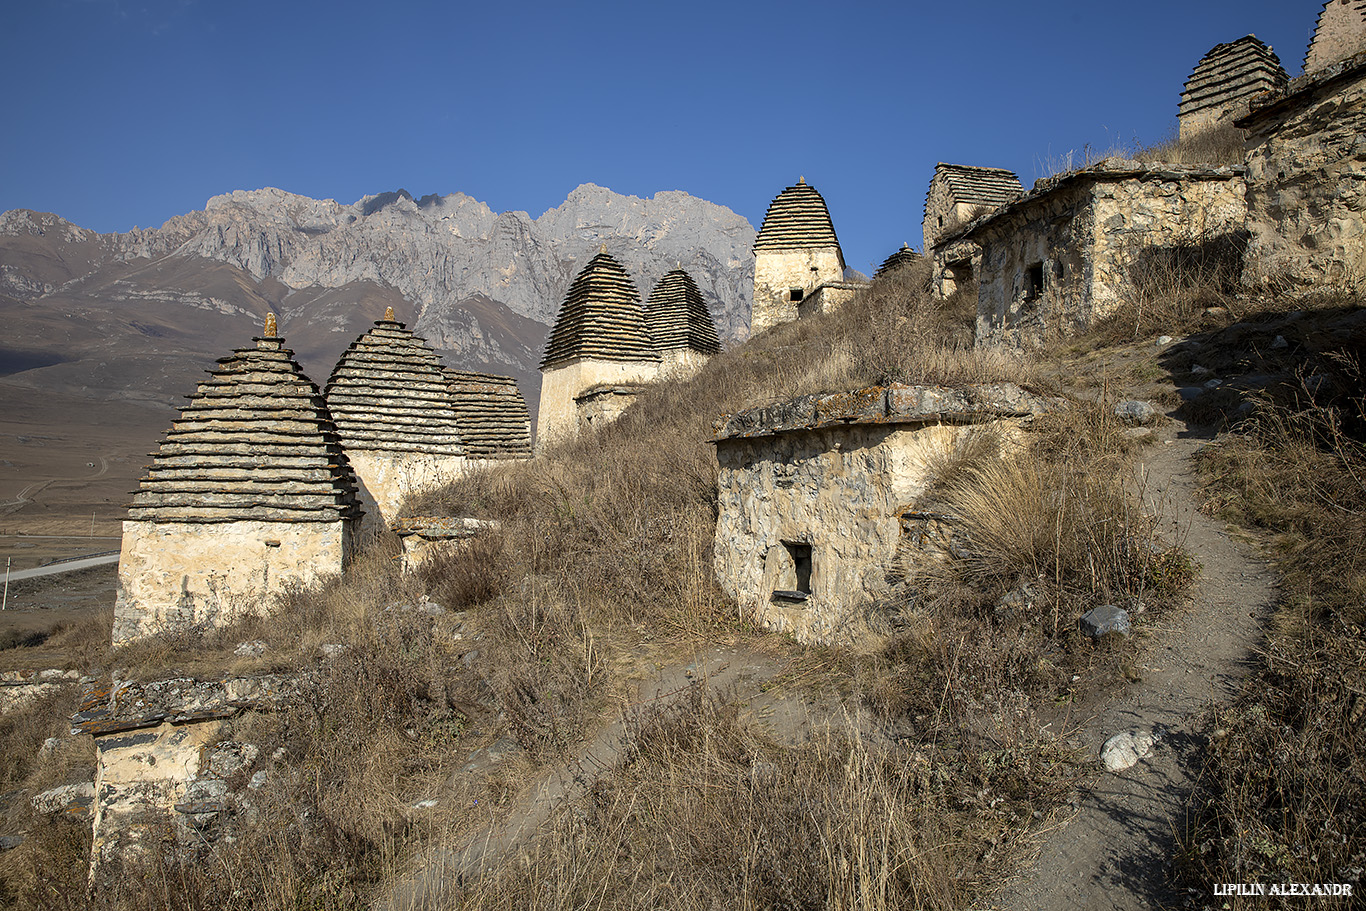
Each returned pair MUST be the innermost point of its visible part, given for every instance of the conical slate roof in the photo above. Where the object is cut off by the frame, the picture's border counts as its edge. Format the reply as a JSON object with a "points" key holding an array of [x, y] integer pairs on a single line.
{"points": [[255, 443], [601, 317], [976, 186], [1232, 72], [388, 392], [677, 315], [796, 220], [491, 414], [903, 257]]}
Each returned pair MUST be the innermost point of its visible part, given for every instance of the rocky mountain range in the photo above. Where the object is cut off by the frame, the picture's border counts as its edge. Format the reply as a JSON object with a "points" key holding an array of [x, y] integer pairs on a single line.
{"points": [[135, 315]]}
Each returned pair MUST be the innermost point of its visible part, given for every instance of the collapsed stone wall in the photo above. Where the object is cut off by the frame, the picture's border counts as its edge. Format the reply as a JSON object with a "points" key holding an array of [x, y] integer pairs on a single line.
{"points": [[163, 761], [1306, 182]]}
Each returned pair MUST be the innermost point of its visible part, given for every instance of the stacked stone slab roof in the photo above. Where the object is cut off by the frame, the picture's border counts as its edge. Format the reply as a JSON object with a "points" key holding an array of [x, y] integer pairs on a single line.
{"points": [[1230, 73], [898, 260], [797, 219], [389, 392], [1339, 33], [977, 186], [600, 318], [677, 316], [491, 415], [256, 442]]}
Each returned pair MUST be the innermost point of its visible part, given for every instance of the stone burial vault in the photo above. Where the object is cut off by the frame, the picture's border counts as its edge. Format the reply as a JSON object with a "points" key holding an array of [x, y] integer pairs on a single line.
{"points": [[818, 497], [249, 492]]}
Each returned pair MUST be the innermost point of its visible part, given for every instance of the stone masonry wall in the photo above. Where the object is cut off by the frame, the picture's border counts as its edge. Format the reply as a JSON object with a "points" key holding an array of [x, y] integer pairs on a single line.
{"points": [[558, 416], [174, 574], [777, 273], [1081, 241], [1306, 192], [385, 478], [820, 487], [838, 490]]}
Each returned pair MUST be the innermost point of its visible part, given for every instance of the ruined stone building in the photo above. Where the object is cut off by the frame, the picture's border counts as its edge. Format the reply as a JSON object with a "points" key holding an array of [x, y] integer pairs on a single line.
{"points": [[1223, 83], [391, 401], [681, 328], [598, 355], [1068, 252], [1306, 169], [249, 492], [819, 500], [796, 256], [957, 195], [1339, 34]]}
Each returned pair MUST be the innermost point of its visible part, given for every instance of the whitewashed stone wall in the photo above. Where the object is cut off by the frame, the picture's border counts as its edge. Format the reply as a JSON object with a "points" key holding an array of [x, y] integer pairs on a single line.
{"points": [[558, 416], [1306, 175], [175, 575], [681, 363], [1079, 240], [777, 273], [385, 478]]}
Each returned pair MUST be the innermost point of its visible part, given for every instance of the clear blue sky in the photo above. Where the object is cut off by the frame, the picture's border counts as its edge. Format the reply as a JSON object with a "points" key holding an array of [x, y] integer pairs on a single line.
{"points": [[124, 112]]}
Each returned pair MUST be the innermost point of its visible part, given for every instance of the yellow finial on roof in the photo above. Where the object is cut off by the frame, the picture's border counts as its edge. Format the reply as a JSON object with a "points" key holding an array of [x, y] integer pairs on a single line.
{"points": [[270, 331], [802, 179], [602, 249], [389, 314]]}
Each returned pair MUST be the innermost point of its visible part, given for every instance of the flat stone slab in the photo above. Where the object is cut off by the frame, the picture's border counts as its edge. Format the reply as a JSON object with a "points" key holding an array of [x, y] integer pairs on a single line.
{"points": [[112, 707], [894, 404]]}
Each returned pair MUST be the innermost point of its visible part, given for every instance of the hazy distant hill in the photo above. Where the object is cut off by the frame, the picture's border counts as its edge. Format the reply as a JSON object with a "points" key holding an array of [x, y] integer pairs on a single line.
{"points": [[137, 315]]}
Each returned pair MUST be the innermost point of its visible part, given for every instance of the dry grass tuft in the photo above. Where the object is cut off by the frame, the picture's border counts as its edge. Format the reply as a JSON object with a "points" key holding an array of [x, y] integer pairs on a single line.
{"points": [[836, 822]]}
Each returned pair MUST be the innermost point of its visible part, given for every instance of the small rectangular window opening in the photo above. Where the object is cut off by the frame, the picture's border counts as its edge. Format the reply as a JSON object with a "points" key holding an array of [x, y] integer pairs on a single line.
{"points": [[793, 582], [796, 294]]}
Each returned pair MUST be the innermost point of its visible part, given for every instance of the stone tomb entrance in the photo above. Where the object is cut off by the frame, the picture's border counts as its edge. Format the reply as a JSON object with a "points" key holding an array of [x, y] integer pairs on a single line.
{"points": [[816, 498]]}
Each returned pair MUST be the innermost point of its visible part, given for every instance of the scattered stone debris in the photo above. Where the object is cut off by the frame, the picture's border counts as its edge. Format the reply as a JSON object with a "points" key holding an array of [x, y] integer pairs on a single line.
{"points": [[253, 649]]}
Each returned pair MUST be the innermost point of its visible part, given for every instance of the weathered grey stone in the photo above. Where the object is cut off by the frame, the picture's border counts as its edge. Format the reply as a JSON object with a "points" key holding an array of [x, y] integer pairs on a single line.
{"points": [[1104, 620], [254, 649], [1136, 412], [1124, 750], [10, 842], [1064, 255]]}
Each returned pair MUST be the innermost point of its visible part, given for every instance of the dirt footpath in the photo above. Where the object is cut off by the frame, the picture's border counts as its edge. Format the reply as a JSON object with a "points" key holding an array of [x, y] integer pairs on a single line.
{"points": [[1115, 851]]}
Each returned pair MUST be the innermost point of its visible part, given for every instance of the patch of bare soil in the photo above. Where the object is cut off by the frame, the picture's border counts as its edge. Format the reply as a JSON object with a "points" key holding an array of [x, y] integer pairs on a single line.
{"points": [[1115, 849]]}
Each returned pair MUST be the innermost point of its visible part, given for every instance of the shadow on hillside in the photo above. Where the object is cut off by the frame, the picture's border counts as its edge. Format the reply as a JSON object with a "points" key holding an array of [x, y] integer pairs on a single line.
{"points": [[1288, 357]]}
